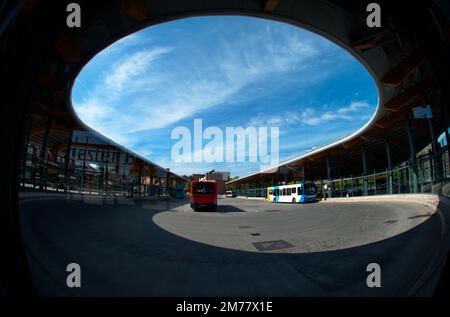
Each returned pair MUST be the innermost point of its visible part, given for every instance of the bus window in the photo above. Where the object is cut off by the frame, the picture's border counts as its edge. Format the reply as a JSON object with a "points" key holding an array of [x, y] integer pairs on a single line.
{"points": [[288, 192], [299, 190], [284, 192], [294, 190], [203, 188], [310, 189]]}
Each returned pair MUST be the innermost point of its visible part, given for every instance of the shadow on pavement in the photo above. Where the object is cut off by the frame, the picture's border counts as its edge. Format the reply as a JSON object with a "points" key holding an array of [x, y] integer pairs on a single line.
{"points": [[122, 252], [228, 209]]}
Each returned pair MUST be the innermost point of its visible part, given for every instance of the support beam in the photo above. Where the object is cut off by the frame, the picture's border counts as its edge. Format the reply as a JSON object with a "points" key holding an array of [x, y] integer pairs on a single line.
{"points": [[369, 155], [398, 143], [389, 164], [372, 40], [25, 152], [395, 77], [393, 117], [67, 49], [83, 171], [106, 178], [433, 139], [364, 165], [412, 160], [392, 140], [270, 5], [327, 160], [136, 9], [434, 151], [141, 166], [446, 123], [55, 126], [437, 51], [388, 153], [421, 126], [407, 96], [354, 169], [51, 82], [167, 180], [43, 155]]}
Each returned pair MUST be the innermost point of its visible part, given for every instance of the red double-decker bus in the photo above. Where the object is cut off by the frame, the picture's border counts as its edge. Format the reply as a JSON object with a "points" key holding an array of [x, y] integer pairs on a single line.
{"points": [[203, 194]]}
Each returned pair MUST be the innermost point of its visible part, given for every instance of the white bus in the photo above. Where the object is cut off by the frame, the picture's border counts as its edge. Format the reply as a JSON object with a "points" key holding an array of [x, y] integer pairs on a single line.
{"points": [[295, 193]]}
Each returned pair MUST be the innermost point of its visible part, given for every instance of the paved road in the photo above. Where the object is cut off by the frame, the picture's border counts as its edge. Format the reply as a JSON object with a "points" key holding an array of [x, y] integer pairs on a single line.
{"points": [[162, 248], [239, 223]]}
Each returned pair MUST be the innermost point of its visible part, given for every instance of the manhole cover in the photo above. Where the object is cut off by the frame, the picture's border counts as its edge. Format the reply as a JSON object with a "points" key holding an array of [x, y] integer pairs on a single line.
{"points": [[245, 227], [272, 245]]}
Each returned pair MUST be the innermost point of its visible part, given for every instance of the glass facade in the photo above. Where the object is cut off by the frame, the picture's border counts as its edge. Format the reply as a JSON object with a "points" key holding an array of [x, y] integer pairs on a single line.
{"points": [[430, 174], [85, 162]]}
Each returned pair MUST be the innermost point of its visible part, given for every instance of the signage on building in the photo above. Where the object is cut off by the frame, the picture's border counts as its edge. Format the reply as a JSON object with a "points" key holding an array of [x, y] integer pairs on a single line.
{"points": [[422, 112]]}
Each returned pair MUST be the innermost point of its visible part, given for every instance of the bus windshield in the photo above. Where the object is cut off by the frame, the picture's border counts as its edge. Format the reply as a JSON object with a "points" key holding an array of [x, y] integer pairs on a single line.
{"points": [[310, 189], [203, 188]]}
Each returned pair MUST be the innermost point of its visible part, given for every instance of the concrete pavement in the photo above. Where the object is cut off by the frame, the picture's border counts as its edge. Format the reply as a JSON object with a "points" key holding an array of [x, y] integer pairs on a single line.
{"points": [[162, 248]]}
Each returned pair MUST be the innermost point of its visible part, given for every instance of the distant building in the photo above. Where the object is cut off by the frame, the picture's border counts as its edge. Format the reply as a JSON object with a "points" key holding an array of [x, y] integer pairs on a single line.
{"points": [[220, 177], [196, 177]]}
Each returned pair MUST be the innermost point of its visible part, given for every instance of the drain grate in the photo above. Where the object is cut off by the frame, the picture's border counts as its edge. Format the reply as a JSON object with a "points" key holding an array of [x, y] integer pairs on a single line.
{"points": [[391, 221], [272, 245]]}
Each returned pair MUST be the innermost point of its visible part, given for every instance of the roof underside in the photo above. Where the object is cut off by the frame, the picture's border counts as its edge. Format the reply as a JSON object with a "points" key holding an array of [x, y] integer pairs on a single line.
{"points": [[397, 55]]}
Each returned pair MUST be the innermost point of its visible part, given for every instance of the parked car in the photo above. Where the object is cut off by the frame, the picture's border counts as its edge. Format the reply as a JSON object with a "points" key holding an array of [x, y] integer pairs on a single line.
{"points": [[230, 193]]}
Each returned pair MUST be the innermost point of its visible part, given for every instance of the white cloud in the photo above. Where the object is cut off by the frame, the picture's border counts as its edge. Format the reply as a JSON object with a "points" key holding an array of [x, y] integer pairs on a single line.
{"points": [[354, 106], [134, 65], [142, 94], [141, 87], [312, 117]]}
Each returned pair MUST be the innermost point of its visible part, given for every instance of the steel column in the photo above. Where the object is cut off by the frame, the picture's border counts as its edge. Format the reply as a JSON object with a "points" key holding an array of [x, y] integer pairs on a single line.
{"points": [[43, 155], [327, 160], [389, 164], [413, 160], [364, 163]]}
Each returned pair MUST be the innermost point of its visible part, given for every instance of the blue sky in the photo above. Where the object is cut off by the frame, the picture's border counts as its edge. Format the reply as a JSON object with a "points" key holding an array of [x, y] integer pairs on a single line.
{"points": [[229, 72]]}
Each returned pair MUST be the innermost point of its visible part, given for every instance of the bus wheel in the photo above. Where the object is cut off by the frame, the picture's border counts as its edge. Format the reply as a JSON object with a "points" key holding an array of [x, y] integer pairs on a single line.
{"points": [[293, 200]]}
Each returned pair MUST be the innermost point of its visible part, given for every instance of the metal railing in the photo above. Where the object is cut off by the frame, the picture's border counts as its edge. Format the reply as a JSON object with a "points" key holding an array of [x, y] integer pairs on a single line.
{"points": [[53, 175], [430, 174]]}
